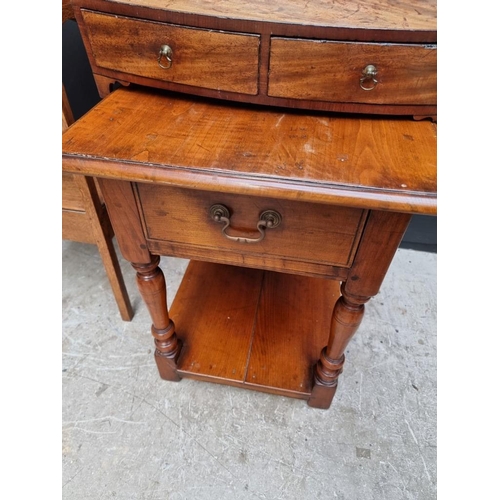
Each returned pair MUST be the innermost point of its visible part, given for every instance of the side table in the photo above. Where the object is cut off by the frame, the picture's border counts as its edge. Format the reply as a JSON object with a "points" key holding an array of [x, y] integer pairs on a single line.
{"points": [[274, 207]]}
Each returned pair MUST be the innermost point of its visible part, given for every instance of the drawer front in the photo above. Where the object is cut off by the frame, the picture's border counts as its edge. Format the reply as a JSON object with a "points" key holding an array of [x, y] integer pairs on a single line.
{"points": [[307, 232], [337, 71], [201, 58]]}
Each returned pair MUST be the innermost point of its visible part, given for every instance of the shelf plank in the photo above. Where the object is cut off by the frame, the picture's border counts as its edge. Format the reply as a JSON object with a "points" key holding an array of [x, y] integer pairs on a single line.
{"points": [[250, 328], [214, 312], [292, 326]]}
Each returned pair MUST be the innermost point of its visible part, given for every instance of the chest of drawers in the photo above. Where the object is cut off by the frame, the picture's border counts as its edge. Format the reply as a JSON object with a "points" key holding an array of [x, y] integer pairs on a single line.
{"points": [[372, 56]]}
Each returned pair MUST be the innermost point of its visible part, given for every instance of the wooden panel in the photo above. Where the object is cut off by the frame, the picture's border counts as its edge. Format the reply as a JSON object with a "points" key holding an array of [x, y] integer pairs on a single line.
{"points": [[292, 326], [71, 194], [261, 261], [76, 227], [308, 232], [202, 58], [331, 71], [381, 238], [214, 311], [125, 218], [145, 135]]}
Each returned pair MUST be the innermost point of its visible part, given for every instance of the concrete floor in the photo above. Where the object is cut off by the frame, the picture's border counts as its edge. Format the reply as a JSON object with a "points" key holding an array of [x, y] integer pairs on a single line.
{"points": [[128, 435]]}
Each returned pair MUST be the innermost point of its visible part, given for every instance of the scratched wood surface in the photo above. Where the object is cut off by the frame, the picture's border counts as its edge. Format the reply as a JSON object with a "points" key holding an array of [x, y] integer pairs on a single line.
{"points": [[369, 14], [221, 61], [142, 135]]}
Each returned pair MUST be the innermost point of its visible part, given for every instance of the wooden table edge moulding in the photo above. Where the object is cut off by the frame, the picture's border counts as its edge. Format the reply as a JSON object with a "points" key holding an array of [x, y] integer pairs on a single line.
{"points": [[274, 207]]}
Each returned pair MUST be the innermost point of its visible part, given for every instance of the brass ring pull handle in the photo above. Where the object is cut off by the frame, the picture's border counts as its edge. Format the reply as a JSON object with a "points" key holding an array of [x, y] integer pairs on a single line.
{"points": [[166, 52], [369, 73], [268, 219]]}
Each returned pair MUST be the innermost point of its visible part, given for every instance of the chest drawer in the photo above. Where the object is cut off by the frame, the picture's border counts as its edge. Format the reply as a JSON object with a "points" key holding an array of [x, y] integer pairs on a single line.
{"points": [[371, 73], [160, 51], [307, 232]]}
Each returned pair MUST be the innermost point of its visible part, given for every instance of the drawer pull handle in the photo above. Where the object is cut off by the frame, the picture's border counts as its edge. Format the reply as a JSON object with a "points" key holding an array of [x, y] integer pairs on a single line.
{"points": [[268, 219], [369, 73], [166, 52]]}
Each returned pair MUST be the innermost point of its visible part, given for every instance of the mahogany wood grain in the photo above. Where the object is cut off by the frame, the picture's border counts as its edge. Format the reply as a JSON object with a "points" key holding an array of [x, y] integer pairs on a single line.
{"points": [[106, 78], [214, 311], [418, 17], [153, 137], [67, 10], [400, 22], [241, 258], [241, 327], [125, 218], [381, 238], [308, 232], [221, 61], [331, 71], [291, 327], [346, 318], [151, 283]]}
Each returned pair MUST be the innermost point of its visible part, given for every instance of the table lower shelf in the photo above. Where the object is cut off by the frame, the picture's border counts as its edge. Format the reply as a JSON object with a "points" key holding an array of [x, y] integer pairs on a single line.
{"points": [[250, 328]]}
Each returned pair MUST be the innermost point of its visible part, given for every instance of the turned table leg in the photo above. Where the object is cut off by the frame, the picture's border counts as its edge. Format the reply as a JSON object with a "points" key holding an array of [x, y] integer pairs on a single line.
{"points": [[126, 221], [381, 237], [346, 318], [151, 285]]}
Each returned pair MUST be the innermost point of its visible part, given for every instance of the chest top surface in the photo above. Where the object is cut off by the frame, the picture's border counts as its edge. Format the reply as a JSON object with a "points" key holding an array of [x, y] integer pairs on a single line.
{"points": [[404, 15]]}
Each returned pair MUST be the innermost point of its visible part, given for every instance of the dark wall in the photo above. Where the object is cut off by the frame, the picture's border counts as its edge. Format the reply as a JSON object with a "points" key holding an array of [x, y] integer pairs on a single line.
{"points": [[82, 94], [76, 73]]}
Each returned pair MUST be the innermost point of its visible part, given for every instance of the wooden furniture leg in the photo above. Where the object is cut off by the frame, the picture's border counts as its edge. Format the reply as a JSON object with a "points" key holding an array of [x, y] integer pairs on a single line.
{"points": [[383, 233], [103, 239], [151, 284], [120, 200], [346, 318]]}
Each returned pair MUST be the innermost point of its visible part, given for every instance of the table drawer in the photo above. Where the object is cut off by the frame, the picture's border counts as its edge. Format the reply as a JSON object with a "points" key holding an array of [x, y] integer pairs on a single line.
{"points": [[337, 71], [198, 57], [307, 232]]}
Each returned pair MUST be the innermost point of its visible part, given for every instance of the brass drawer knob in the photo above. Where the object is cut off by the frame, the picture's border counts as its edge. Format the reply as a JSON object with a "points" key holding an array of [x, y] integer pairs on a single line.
{"points": [[268, 219], [166, 53], [368, 74]]}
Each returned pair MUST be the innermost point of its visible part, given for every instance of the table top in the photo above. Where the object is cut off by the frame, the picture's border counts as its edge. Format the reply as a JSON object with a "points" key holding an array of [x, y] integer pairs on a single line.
{"points": [[146, 135]]}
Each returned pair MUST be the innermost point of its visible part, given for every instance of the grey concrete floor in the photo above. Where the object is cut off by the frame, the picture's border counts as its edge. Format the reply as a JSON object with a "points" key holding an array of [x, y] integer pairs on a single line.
{"points": [[129, 435]]}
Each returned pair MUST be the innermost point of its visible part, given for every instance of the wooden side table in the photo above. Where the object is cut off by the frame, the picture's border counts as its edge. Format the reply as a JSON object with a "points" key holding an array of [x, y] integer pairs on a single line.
{"points": [[274, 208]]}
